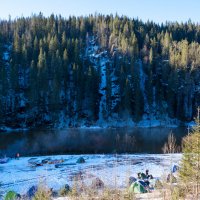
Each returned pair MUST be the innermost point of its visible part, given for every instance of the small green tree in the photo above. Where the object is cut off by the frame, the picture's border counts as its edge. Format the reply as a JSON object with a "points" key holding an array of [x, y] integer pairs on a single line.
{"points": [[190, 164]]}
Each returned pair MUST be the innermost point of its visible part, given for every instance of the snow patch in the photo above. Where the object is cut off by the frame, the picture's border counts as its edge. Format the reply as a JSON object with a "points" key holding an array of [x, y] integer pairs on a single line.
{"points": [[112, 169]]}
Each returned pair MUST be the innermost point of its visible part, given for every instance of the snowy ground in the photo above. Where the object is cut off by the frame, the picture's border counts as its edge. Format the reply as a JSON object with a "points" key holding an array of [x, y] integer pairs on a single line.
{"points": [[114, 170]]}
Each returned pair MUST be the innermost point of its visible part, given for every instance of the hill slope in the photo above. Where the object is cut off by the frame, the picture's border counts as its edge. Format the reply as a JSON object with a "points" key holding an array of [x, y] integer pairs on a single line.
{"points": [[97, 70]]}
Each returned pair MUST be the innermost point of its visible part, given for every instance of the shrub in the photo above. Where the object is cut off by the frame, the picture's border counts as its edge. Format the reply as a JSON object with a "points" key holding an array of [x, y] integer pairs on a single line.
{"points": [[42, 194]]}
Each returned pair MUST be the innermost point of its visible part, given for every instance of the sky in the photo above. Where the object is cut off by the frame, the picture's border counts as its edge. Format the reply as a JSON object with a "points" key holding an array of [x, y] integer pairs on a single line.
{"points": [[156, 10]]}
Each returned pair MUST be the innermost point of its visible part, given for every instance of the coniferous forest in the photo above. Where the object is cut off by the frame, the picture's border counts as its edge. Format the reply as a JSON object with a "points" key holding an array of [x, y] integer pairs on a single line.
{"points": [[87, 70]]}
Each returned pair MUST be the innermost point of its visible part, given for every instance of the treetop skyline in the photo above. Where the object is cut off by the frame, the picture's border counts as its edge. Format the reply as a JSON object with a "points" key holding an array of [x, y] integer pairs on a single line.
{"points": [[155, 10]]}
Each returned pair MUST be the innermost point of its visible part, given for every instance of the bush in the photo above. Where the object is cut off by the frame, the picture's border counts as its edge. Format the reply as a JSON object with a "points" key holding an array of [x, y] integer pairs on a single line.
{"points": [[42, 194], [178, 193], [158, 184], [64, 190], [97, 184]]}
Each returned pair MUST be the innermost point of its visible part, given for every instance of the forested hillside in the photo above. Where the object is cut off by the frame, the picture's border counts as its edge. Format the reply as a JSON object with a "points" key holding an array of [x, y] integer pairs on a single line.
{"points": [[89, 70]]}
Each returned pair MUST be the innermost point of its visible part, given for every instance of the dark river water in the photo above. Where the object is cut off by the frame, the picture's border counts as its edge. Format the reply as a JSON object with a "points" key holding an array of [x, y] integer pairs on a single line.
{"points": [[76, 141]]}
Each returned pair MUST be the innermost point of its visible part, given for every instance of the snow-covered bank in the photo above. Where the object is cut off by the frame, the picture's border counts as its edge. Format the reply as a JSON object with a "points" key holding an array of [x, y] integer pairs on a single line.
{"points": [[144, 123], [114, 170]]}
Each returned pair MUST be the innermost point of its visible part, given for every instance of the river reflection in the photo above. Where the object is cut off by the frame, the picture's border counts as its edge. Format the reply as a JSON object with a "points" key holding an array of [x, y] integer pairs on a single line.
{"points": [[74, 141]]}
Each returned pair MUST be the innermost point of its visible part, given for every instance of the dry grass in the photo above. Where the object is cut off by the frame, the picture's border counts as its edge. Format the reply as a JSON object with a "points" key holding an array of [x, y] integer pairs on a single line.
{"points": [[104, 194], [80, 191]]}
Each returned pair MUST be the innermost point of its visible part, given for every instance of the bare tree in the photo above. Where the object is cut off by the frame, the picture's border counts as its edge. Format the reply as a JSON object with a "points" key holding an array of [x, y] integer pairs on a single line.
{"points": [[170, 146]]}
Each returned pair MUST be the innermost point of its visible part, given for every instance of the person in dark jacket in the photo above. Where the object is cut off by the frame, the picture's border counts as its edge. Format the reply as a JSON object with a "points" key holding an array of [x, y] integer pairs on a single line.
{"points": [[149, 176], [17, 155]]}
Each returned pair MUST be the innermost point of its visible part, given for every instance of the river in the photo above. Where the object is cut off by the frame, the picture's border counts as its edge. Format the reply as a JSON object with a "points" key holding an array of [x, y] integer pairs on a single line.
{"points": [[76, 141]]}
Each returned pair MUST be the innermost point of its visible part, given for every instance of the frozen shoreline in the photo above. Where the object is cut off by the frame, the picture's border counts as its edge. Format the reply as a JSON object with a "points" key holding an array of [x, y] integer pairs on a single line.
{"points": [[114, 170]]}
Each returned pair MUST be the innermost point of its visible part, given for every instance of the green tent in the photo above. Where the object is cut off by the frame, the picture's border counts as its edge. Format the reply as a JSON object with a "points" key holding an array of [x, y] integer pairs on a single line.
{"points": [[136, 187], [11, 195]]}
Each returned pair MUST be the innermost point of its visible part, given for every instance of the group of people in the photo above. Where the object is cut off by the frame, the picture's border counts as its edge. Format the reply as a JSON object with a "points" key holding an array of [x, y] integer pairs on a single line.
{"points": [[145, 175], [144, 178]]}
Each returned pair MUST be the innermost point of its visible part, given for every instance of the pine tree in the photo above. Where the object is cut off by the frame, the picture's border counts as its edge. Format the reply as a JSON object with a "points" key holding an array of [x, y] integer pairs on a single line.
{"points": [[64, 40], [184, 53], [151, 56], [190, 163]]}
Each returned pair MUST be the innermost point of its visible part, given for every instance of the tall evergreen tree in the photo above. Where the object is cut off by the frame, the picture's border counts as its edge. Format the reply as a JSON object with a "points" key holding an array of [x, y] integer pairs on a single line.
{"points": [[190, 164]]}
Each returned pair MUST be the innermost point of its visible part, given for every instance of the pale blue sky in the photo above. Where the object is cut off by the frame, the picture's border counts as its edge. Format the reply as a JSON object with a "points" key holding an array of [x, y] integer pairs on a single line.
{"points": [[156, 10]]}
